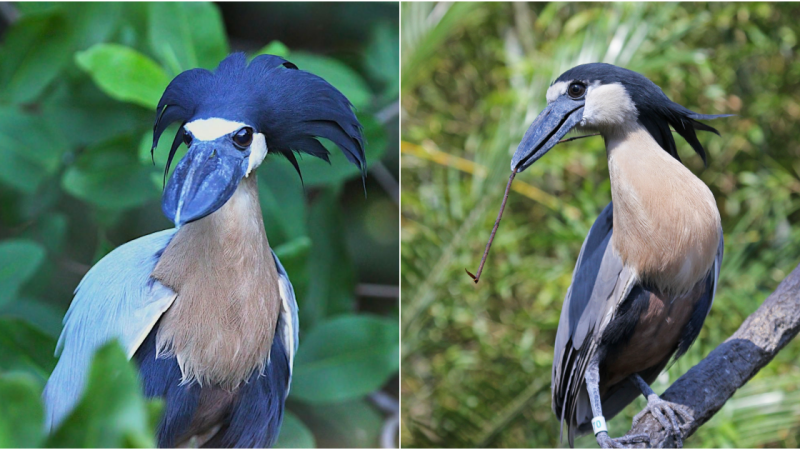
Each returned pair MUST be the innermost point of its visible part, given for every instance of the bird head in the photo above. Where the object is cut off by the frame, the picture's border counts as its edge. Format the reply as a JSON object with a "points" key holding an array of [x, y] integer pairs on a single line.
{"points": [[608, 99], [232, 117]]}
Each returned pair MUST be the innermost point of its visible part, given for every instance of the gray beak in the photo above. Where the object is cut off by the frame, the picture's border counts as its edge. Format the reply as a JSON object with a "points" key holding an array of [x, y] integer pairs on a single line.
{"points": [[552, 124]]}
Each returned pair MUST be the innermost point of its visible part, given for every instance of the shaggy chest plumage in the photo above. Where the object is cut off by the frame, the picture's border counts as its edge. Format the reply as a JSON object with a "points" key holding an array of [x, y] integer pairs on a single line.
{"points": [[666, 223], [220, 327]]}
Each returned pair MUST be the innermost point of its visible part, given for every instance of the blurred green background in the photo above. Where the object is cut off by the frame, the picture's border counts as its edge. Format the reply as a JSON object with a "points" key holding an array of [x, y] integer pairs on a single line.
{"points": [[476, 360], [78, 89]]}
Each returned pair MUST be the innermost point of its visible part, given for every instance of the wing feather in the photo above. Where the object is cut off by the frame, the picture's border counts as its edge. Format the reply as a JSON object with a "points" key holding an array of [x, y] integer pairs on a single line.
{"points": [[289, 325], [117, 299]]}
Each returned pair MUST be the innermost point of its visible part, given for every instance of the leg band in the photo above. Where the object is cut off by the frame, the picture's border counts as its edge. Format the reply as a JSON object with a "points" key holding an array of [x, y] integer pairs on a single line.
{"points": [[599, 425]]}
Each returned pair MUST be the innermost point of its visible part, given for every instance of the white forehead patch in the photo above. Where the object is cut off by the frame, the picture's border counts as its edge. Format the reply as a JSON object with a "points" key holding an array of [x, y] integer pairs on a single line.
{"points": [[210, 129], [258, 151], [556, 90]]}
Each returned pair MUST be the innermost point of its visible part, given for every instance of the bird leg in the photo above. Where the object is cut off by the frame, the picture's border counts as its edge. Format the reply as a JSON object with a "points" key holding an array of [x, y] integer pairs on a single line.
{"points": [[599, 422], [663, 411]]}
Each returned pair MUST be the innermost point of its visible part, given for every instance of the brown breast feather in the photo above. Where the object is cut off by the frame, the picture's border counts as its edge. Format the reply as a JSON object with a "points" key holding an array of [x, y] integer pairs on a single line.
{"points": [[222, 323]]}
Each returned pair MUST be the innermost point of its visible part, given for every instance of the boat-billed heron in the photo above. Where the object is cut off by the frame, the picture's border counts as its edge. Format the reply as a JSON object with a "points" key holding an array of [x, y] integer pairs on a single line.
{"points": [[647, 272], [206, 309]]}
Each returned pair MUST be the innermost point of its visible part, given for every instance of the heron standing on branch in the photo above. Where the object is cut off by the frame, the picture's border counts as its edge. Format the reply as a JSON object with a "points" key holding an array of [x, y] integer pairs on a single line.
{"points": [[647, 273], [206, 309]]}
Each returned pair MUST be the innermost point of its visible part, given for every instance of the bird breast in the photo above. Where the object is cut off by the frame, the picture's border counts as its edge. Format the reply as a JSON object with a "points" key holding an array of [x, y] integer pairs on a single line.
{"points": [[666, 222], [221, 325]]}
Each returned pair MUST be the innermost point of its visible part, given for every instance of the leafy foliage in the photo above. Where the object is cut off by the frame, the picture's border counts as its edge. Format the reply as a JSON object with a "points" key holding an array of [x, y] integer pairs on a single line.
{"points": [[476, 360], [78, 89]]}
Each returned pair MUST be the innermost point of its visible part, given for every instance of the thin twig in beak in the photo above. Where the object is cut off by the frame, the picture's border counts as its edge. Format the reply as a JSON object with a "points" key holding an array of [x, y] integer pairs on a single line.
{"points": [[494, 230]]}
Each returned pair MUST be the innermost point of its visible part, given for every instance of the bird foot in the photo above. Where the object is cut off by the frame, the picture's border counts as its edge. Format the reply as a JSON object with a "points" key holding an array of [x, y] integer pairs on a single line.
{"points": [[628, 441], [667, 415]]}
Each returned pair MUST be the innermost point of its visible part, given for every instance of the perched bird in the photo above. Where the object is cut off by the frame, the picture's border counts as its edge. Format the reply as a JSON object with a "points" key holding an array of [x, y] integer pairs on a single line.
{"points": [[206, 309], [647, 273]]}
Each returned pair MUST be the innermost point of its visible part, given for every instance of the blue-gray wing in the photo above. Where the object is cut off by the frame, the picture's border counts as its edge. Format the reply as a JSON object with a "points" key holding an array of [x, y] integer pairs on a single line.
{"points": [[117, 299], [290, 325], [599, 282]]}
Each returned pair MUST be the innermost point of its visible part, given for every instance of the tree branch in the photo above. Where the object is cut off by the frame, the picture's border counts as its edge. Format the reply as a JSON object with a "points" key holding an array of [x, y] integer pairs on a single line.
{"points": [[707, 386]]}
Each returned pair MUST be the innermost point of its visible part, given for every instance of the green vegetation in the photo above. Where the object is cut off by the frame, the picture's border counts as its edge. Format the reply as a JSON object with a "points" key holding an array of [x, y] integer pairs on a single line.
{"points": [[476, 360], [78, 89]]}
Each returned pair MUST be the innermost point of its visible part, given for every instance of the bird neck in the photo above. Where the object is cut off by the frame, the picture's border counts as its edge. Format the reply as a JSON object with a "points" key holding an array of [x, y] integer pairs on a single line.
{"points": [[223, 321], [666, 223]]}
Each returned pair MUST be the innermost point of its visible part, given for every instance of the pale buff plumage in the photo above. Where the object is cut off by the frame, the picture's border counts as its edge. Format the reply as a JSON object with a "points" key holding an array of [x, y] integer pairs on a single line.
{"points": [[666, 223], [221, 326]]}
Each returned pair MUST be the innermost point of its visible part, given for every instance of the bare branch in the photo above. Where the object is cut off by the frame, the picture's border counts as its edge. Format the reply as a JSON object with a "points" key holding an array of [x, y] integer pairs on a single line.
{"points": [[707, 386]]}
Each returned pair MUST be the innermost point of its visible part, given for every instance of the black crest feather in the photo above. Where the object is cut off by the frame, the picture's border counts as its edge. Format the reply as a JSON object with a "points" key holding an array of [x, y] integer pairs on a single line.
{"points": [[291, 107]]}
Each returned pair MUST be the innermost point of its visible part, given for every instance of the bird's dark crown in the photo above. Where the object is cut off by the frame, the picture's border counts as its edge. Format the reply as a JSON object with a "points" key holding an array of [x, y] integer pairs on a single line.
{"points": [[291, 107]]}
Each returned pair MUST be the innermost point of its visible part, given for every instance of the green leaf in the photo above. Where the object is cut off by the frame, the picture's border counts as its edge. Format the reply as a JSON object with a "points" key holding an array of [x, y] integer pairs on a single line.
{"points": [[317, 172], [276, 48], [207, 32], [110, 176], [21, 411], [31, 58], [124, 74], [382, 58], [294, 248], [294, 433], [337, 73], [282, 200], [330, 271], [24, 162], [187, 35], [45, 316], [346, 358], [19, 260], [353, 424], [112, 412], [24, 348]]}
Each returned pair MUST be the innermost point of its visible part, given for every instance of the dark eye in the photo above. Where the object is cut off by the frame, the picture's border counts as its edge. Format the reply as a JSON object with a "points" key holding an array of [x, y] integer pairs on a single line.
{"points": [[243, 137], [187, 138], [576, 90]]}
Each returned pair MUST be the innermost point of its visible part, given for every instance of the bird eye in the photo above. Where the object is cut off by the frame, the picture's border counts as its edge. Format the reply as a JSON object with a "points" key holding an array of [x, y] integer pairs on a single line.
{"points": [[243, 137], [576, 90], [187, 138]]}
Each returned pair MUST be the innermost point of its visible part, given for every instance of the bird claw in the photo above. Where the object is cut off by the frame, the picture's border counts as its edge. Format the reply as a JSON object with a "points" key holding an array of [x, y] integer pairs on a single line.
{"points": [[626, 441], [665, 413]]}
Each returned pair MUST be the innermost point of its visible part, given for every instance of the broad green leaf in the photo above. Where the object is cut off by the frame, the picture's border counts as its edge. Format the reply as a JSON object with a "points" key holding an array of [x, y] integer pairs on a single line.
{"points": [[19, 260], [382, 58], [24, 161], [337, 73], [207, 33], [43, 315], [124, 74], [110, 176], [85, 115], [293, 249], [346, 358], [92, 22], [350, 424], [24, 348], [170, 33], [35, 50], [294, 433], [112, 412], [21, 411], [317, 172], [330, 271], [276, 48], [282, 200], [187, 35]]}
